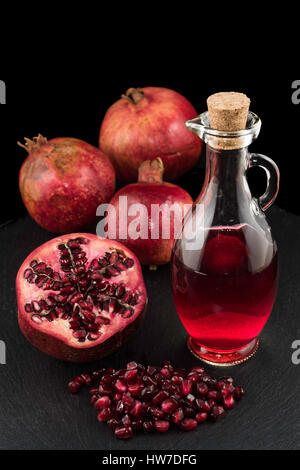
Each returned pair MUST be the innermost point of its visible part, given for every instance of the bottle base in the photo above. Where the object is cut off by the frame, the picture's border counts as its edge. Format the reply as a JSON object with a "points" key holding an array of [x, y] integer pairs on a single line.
{"points": [[223, 358]]}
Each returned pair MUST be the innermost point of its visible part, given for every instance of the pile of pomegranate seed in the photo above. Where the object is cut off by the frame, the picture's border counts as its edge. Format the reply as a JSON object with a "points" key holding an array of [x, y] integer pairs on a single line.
{"points": [[151, 398]]}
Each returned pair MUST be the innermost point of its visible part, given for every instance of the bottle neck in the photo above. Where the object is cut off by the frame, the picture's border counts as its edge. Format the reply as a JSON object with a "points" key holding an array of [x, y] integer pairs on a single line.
{"points": [[226, 167], [225, 185]]}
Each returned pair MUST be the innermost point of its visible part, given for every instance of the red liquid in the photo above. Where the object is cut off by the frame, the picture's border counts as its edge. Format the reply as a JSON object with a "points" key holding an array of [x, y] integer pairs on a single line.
{"points": [[224, 303]]}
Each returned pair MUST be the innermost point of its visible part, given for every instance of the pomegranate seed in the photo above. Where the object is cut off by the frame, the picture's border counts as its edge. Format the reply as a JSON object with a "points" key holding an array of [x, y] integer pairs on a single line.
{"points": [[189, 412], [214, 394], [148, 392], [102, 402], [28, 308], [79, 334], [197, 369], [120, 408], [165, 372], [126, 420], [156, 412], [188, 424], [229, 401], [105, 414], [211, 403], [97, 374], [27, 273], [169, 405], [128, 401], [106, 379], [217, 412], [160, 397], [166, 363], [239, 392], [74, 387], [36, 319], [162, 426], [124, 432], [202, 388], [201, 417], [132, 365], [203, 405], [176, 379], [105, 389], [36, 306], [148, 425], [190, 399], [131, 374], [94, 398], [177, 416], [87, 379], [186, 386], [102, 320], [227, 379], [93, 336], [193, 377], [136, 389], [113, 423], [117, 396], [210, 381], [137, 408], [137, 425], [227, 389], [120, 386], [149, 380], [79, 379], [151, 370]]}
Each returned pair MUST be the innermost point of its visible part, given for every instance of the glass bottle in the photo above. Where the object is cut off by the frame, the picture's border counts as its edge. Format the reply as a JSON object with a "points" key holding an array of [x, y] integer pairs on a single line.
{"points": [[224, 265]]}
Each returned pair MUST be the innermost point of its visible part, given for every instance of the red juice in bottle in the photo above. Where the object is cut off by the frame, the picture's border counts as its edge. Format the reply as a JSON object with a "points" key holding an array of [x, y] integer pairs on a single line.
{"points": [[225, 299]]}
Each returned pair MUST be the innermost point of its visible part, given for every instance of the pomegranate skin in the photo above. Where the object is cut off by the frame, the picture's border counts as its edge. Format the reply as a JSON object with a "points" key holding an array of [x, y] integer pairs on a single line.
{"points": [[63, 181], [55, 338], [155, 126], [150, 251]]}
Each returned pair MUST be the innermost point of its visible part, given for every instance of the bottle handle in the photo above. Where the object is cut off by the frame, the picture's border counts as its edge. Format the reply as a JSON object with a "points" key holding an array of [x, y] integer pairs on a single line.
{"points": [[273, 178]]}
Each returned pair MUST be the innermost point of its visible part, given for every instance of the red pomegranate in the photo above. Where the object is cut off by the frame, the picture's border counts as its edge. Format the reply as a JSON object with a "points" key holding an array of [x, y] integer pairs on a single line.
{"points": [[63, 181], [80, 297], [152, 192], [145, 123]]}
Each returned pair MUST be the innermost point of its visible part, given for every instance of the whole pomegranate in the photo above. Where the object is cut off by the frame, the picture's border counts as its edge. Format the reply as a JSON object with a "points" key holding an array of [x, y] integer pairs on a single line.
{"points": [[145, 123], [63, 181], [158, 197], [80, 297]]}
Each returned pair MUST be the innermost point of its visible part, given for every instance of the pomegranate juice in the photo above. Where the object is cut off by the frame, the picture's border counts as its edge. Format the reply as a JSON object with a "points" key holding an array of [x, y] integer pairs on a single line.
{"points": [[225, 299]]}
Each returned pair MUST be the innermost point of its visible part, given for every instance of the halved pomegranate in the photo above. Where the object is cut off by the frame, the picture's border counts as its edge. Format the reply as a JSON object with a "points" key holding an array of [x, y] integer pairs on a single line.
{"points": [[80, 297]]}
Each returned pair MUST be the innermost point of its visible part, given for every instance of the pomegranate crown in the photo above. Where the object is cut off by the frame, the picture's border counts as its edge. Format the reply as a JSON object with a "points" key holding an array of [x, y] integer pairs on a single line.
{"points": [[133, 95], [33, 144], [151, 171]]}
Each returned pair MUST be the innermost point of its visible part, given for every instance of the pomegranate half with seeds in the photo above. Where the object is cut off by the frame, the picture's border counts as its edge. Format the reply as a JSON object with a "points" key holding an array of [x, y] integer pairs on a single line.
{"points": [[80, 297]]}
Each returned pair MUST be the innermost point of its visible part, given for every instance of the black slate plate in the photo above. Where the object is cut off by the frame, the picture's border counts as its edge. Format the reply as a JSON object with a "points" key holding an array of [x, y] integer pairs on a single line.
{"points": [[37, 412]]}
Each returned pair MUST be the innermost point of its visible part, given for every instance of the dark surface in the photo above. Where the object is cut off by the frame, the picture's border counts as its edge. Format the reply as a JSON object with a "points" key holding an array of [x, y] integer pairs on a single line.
{"points": [[37, 412]]}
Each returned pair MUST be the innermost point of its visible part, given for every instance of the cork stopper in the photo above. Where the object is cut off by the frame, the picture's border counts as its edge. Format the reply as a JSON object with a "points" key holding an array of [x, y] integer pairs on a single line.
{"points": [[228, 111]]}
